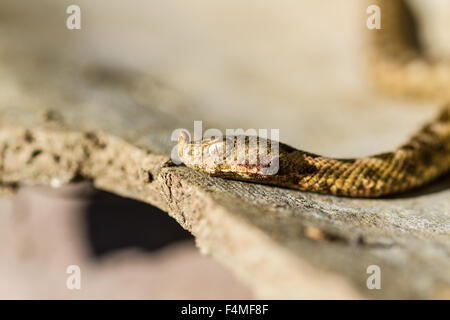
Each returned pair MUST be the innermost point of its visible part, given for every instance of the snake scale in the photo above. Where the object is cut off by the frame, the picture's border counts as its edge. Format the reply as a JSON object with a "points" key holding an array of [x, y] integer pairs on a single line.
{"points": [[399, 67]]}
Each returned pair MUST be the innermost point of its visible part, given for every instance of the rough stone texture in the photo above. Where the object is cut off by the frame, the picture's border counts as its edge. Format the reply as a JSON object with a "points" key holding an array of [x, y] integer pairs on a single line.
{"points": [[63, 120]]}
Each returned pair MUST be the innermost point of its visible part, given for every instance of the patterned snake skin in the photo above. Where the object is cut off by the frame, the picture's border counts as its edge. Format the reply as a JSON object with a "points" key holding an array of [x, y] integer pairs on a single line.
{"points": [[397, 66]]}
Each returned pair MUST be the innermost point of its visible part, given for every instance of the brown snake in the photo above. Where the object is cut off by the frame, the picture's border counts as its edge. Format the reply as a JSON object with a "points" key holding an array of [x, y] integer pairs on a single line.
{"points": [[424, 157], [398, 62]]}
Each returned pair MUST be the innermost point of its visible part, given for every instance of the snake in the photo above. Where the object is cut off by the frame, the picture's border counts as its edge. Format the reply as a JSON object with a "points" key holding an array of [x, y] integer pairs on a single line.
{"points": [[399, 67], [397, 60]]}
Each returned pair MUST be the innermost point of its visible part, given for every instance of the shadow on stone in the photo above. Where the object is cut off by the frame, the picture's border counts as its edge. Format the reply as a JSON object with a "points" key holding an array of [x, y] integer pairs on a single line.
{"points": [[114, 223]]}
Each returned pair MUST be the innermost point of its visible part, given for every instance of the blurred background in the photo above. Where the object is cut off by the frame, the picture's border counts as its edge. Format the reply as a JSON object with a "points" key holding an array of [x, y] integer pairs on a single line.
{"points": [[294, 65]]}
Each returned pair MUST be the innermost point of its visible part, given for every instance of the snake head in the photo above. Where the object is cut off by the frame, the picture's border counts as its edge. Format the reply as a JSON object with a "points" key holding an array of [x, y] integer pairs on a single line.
{"points": [[238, 157]]}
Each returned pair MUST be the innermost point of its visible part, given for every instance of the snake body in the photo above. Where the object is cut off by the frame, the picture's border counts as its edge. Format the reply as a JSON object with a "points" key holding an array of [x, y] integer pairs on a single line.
{"points": [[398, 66], [423, 158]]}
